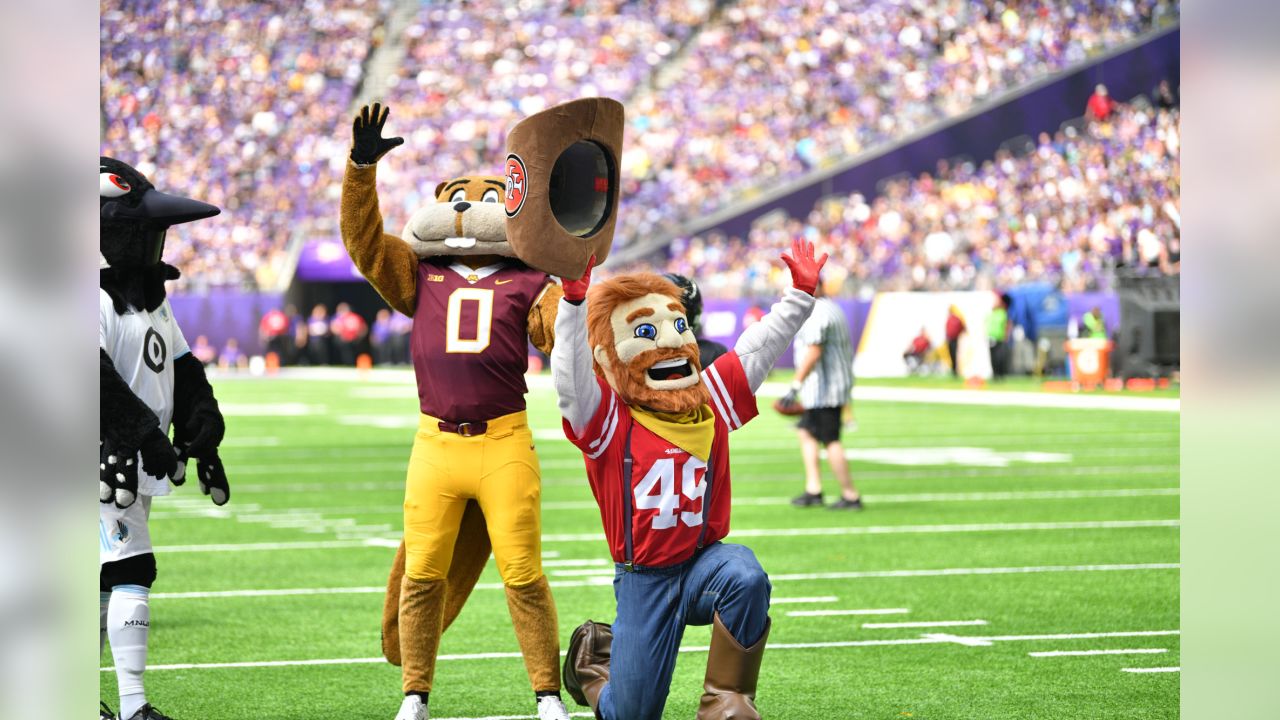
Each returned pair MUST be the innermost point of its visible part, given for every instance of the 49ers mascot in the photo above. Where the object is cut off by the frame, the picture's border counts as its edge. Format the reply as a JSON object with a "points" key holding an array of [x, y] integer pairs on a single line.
{"points": [[653, 426]]}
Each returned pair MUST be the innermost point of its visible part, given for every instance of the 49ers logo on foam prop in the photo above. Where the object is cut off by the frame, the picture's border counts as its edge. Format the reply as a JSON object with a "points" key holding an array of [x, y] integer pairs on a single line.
{"points": [[517, 185]]}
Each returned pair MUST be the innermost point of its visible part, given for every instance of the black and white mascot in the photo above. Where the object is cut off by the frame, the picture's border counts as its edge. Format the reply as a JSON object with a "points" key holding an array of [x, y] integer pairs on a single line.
{"points": [[149, 379]]}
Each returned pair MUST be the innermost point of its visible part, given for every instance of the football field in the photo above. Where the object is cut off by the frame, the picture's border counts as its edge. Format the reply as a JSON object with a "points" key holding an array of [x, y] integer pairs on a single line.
{"points": [[1013, 561]]}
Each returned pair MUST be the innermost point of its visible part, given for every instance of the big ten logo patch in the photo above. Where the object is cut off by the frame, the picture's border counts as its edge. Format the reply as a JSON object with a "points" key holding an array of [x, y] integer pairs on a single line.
{"points": [[154, 352]]}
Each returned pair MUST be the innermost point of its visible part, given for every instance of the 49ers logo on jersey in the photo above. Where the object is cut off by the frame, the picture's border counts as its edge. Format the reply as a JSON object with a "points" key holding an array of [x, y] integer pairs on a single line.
{"points": [[517, 184], [154, 352]]}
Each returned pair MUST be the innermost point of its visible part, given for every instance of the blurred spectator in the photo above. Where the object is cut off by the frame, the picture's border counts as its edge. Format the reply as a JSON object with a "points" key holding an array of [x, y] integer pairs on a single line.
{"points": [[955, 328], [380, 337], [298, 324], [1164, 96], [401, 327], [203, 351], [348, 330], [1094, 325], [232, 358], [998, 334], [915, 354], [319, 351], [273, 334], [1100, 104]]}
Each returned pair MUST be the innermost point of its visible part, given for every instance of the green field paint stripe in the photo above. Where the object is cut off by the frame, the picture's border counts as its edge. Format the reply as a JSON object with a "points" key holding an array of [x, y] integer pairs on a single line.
{"points": [[910, 529], [932, 640], [759, 533], [608, 580], [1020, 472], [1152, 670]]}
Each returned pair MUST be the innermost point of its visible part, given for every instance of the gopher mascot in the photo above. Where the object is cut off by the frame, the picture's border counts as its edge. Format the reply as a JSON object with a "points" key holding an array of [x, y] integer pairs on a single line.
{"points": [[653, 426], [459, 271]]}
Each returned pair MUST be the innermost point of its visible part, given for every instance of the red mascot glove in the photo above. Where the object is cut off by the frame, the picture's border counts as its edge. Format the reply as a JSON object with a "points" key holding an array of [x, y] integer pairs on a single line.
{"points": [[804, 268], [575, 291]]}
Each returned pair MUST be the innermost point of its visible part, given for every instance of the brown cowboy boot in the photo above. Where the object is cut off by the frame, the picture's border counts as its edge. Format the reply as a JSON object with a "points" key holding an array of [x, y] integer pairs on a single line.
{"points": [[732, 672], [586, 666]]}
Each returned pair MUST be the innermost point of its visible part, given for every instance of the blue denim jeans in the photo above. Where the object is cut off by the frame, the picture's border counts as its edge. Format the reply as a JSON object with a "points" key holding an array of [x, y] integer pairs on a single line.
{"points": [[655, 605]]}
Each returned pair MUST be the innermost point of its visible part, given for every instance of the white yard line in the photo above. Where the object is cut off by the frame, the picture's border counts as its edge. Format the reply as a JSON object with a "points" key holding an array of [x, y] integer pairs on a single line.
{"points": [[928, 640], [1082, 653], [945, 572], [921, 624], [1152, 670], [604, 580], [836, 613], [798, 600]]}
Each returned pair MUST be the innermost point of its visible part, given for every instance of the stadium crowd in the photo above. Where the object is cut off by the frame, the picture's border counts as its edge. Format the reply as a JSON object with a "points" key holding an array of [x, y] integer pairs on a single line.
{"points": [[240, 103], [235, 103], [1074, 206]]}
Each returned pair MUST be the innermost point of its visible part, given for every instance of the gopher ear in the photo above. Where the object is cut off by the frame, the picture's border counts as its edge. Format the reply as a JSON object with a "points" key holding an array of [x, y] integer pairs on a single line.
{"points": [[440, 187], [601, 356]]}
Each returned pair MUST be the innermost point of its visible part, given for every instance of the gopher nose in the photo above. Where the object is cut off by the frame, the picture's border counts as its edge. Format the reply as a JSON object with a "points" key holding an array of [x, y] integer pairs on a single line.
{"points": [[461, 206]]}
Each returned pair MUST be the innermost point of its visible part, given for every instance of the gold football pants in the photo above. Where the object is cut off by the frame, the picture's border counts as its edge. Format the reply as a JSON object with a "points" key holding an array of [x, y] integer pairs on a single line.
{"points": [[498, 469]]}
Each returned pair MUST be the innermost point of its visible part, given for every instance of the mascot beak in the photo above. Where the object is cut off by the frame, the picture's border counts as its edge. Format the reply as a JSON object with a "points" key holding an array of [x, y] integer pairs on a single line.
{"points": [[162, 209]]}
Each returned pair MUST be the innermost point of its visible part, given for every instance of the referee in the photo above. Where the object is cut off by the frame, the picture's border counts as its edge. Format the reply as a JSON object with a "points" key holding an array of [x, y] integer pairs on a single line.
{"points": [[823, 384]]}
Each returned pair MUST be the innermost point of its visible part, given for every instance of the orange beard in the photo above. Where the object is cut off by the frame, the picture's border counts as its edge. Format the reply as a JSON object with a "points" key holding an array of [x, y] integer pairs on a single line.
{"points": [[628, 380]]}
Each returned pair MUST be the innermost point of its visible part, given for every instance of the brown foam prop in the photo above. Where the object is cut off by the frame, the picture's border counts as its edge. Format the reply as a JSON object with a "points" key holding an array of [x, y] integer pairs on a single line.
{"points": [[562, 185]]}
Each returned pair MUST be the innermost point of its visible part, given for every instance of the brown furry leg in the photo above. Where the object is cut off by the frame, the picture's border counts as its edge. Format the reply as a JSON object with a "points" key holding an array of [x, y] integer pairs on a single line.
{"points": [[470, 554], [533, 613], [391, 610], [421, 613]]}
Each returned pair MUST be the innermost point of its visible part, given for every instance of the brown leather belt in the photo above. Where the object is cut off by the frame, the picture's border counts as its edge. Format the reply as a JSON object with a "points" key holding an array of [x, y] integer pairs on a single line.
{"points": [[466, 429]]}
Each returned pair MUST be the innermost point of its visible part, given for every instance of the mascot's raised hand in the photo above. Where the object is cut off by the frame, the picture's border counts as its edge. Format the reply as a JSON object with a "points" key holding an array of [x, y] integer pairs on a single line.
{"points": [[803, 266], [367, 144]]}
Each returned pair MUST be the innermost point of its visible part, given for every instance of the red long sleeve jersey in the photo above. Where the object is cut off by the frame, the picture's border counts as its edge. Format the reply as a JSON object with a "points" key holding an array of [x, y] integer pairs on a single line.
{"points": [[670, 495]]}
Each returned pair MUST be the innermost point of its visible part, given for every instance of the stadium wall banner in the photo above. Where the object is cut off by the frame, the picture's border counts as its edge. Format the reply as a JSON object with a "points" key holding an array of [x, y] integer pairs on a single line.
{"points": [[895, 318], [326, 261], [222, 313], [724, 320]]}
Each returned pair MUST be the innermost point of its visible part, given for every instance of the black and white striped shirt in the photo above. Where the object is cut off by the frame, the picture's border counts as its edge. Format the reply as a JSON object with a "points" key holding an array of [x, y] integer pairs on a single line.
{"points": [[831, 380]]}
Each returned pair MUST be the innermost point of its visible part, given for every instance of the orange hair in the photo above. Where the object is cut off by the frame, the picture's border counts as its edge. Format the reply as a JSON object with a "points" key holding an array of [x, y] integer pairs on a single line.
{"points": [[605, 296]]}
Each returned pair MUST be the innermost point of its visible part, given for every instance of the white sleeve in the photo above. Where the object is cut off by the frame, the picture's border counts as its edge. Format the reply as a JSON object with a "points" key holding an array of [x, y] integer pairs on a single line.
{"points": [[571, 367], [762, 344], [106, 320], [177, 340]]}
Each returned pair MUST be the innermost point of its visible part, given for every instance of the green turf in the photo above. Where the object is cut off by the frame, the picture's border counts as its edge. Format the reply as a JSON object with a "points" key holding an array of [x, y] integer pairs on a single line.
{"points": [[333, 471]]}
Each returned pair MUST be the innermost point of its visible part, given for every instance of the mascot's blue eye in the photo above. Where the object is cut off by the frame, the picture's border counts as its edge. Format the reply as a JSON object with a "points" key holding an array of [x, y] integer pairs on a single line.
{"points": [[646, 331], [681, 325]]}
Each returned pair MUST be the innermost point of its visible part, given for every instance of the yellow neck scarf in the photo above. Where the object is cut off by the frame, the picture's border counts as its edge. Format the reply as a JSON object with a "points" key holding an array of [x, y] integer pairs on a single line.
{"points": [[691, 431]]}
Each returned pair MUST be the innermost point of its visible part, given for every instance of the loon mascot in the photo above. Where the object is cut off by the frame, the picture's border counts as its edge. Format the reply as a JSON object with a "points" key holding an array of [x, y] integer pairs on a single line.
{"points": [[149, 379]]}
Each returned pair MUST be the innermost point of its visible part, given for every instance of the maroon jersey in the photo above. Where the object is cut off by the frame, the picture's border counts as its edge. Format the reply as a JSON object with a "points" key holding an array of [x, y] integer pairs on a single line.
{"points": [[674, 504], [469, 343]]}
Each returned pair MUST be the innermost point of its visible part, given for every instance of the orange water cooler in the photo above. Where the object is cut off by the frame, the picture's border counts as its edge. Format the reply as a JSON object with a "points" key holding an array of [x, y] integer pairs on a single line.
{"points": [[1090, 359]]}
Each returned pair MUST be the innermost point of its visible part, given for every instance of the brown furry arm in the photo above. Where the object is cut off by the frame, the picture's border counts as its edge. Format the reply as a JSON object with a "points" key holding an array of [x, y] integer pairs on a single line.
{"points": [[386, 261], [542, 319]]}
